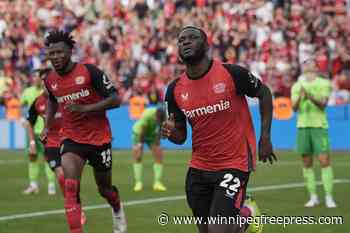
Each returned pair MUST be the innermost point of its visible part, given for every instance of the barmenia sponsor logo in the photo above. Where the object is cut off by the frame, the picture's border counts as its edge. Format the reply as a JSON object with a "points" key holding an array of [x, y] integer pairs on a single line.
{"points": [[221, 106], [73, 96]]}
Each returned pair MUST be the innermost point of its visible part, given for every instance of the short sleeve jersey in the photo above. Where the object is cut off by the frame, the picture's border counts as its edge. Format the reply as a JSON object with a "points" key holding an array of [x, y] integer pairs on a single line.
{"points": [[84, 84], [309, 115], [215, 105]]}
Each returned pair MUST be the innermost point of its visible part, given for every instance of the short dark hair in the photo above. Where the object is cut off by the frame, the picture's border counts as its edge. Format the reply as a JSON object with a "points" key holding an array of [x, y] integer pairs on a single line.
{"points": [[202, 32], [56, 36]]}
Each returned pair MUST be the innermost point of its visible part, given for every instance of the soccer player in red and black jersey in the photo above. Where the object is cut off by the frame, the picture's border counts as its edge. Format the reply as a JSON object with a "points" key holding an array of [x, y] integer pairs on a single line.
{"points": [[52, 143], [84, 93], [210, 95]]}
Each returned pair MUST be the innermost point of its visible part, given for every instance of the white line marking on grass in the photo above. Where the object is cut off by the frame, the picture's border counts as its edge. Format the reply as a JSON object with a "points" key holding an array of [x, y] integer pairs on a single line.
{"points": [[161, 199]]}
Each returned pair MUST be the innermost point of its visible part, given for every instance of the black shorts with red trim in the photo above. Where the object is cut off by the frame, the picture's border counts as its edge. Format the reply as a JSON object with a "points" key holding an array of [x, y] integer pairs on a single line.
{"points": [[53, 157], [214, 193], [99, 157]]}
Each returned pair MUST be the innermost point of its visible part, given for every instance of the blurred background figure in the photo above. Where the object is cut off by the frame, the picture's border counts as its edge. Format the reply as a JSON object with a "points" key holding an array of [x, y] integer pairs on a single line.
{"points": [[310, 97], [34, 147], [147, 131]]}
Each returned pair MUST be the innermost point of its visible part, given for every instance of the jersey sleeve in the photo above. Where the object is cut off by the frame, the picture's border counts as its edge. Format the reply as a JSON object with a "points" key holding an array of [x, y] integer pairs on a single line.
{"points": [[32, 114], [173, 108], [100, 81], [51, 96], [246, 83]]}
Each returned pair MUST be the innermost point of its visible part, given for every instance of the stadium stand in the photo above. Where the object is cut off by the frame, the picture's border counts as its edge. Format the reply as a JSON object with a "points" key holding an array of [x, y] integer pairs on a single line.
{"points": [[133, 40]]}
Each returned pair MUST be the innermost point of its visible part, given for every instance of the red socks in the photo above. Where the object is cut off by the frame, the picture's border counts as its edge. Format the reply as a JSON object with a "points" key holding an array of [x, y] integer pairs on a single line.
{"points": [[61, 182], [72, 205], [245, 212], [113, 199]]}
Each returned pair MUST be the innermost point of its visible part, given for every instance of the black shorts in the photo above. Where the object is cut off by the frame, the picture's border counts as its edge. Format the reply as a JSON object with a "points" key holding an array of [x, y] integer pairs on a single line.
{"points": [[99, 157], [53, 157], [216, 193]]}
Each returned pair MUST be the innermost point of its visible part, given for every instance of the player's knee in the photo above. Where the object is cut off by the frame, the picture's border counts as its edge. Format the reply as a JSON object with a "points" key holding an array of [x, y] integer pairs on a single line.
{"points": [[325, 162], [307, 160], [138, 159], [33, 157]]}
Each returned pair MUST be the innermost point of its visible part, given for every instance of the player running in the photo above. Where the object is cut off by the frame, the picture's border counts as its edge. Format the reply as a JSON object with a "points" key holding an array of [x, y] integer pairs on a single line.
{"points": [[310, 98], [147, 130], [34, 147], [84, 93], [52, 143], [211, 97]]}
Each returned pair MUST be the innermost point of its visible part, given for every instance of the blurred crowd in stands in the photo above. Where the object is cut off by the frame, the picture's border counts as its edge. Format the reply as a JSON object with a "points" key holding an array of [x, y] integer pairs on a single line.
{"points": [[134, 41]]}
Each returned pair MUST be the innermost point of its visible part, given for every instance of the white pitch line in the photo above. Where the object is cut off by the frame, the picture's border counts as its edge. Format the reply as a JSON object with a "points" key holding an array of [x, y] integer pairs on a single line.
{"points": [[161, 199]]}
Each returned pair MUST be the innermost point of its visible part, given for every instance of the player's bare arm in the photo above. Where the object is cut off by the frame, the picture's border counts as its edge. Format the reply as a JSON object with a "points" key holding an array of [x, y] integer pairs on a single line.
{"points": [[265, 105]]}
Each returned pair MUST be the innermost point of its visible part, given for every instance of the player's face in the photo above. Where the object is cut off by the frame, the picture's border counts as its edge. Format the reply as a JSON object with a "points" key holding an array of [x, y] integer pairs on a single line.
{"points": [[191, 46], [59, 55]]}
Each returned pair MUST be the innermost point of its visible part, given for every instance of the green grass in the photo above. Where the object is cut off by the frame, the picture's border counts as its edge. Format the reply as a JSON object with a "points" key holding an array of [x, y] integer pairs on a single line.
{"points": [[142, 217]]}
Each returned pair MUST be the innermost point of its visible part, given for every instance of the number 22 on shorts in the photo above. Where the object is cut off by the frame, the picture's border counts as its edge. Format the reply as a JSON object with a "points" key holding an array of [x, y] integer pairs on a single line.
{"points": [[231, 189]]}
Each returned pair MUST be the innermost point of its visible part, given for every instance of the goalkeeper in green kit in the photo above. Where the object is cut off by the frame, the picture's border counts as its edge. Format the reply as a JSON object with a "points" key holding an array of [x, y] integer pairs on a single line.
{"points": [[310, 97], [147, 131]]}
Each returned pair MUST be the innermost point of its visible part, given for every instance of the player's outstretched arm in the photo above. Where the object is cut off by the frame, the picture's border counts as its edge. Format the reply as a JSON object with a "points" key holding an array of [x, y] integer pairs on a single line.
{"points": [[266, 107]]}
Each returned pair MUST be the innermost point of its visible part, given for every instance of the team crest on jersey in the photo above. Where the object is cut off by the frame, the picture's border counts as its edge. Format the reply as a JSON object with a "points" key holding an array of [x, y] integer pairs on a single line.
{"points": [[219, 88], [79, 80], [54, 86], [184, 96]]}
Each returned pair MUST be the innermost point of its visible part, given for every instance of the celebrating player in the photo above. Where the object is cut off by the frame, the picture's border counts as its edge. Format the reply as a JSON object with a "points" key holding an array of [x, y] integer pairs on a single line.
{"points": [[146, 130], [84, 93], [35, 147], [310, 98], [211, 96]]}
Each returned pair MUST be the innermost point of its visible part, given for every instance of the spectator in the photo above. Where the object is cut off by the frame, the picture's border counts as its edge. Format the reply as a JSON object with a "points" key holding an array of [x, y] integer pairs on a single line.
{"points": [[131, 39]]}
